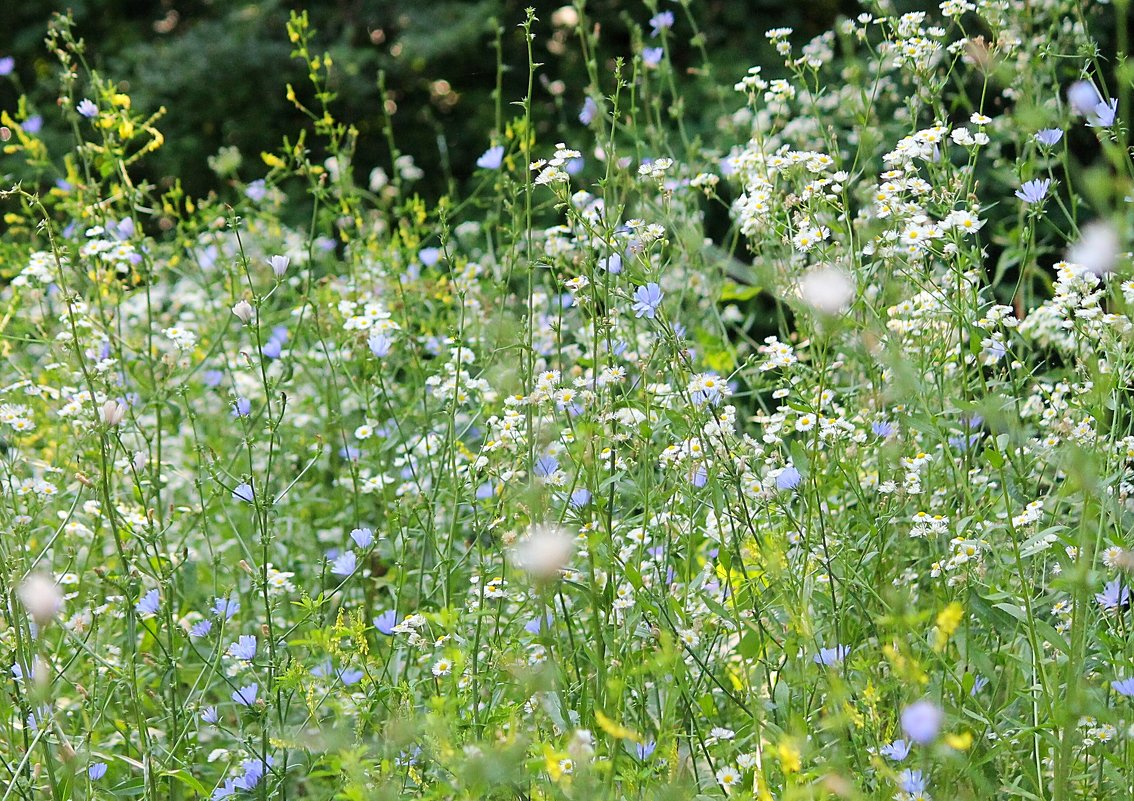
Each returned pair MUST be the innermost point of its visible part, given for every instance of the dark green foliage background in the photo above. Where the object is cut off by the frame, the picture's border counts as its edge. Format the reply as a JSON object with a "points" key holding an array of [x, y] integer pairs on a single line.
{"points": [[220, 67]]}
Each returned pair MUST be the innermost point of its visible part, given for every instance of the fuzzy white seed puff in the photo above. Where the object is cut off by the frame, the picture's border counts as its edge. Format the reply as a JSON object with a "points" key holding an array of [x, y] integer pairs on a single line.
{"points": [[543, 551], [827, 289], [41, 597]]}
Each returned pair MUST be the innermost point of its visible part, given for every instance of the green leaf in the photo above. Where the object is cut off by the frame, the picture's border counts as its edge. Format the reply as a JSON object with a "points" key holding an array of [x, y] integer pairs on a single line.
{"points": [[1048, 632], [188, 780], [633, 576], [1014, 610], [720, 361], [799, 459], [749, 645], [735, 291]]}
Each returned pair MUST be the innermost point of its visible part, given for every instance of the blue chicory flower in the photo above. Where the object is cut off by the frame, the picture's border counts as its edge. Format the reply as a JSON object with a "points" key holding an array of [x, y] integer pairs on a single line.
{"points": [[492, 158], [1124, 687], [1034, 191], [349, 676], [896, 751], [611, 264], [345, 564], [257, 190], [589, 111], [226, 607], [831, 656], [788, 478], [363, 537], [246, 695], [647, 300], [912, 781], [1104, 114], [350, 453], [386, 621], [1083, 97], [883, 428], [149, 603], [921, 721], [538, 624], [1113, 596], [244, 648], [252, 771], [380, 344], [661, 21], [545, 466], [227, 790]]}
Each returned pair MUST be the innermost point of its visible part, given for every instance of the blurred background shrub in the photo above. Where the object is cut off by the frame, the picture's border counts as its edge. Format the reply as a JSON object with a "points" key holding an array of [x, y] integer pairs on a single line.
{"points": [[219, 68]]}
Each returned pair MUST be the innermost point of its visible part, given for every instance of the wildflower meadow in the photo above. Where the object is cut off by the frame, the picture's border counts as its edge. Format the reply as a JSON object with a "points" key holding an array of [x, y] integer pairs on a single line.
{"points": [[777, 446]]}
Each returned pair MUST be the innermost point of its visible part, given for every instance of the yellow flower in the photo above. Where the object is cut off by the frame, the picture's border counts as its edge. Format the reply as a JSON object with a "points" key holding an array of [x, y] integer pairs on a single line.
{"points": [[948, 619], [789, 757], [556, 763], [959, 742], [615, 729]]}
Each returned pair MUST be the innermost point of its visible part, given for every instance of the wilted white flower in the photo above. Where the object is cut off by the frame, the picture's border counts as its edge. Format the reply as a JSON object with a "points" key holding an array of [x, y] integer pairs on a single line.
{"points": [[582, 745], [113, 412], [243, 310], [378, 179], [279, 265]]}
